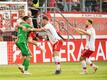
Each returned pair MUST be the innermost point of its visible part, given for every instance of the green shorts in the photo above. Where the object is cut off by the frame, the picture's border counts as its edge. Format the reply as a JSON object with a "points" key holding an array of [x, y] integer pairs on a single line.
{"points": [[24, 48]]}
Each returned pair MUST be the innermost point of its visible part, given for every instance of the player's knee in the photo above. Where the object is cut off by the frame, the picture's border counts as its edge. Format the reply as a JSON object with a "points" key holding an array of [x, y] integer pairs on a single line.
{"points": [[82, 58], [56, 53]]}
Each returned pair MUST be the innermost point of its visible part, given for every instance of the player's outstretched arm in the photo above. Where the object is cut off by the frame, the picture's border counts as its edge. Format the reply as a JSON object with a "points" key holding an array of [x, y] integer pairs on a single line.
{"points": [[80, 31], [31, 29], [38, 29]]}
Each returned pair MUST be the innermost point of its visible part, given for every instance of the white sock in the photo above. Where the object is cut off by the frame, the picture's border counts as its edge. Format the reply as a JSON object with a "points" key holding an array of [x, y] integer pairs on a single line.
{"points": [[88, 61], [57, 62], [83, 62], [58, 67]]}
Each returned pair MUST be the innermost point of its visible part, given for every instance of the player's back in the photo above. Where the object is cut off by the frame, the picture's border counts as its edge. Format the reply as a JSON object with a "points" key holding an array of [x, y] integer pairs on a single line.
{"points": [[23, 35]]}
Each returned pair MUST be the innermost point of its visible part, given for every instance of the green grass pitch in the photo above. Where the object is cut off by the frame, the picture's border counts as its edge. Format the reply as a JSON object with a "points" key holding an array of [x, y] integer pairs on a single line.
{"points": [[44, 71]]}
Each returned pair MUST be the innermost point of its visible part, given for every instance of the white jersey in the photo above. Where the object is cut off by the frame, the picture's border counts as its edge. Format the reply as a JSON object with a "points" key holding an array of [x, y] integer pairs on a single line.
{"points": [[90, 40], [51, 32]]}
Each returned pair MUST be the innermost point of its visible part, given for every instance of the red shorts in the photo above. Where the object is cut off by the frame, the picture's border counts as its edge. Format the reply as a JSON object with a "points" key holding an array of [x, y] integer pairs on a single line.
{"points": [[86, 53], [57, 46], [32, 35]]}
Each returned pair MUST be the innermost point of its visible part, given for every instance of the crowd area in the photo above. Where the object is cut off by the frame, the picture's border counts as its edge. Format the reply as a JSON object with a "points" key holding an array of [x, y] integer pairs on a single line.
{"points": [[35, 7], [69, 5]]}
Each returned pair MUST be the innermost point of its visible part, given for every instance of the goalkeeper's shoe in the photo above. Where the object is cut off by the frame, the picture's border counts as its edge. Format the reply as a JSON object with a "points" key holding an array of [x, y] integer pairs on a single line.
{"points": [[21, 68], [58, 71]]}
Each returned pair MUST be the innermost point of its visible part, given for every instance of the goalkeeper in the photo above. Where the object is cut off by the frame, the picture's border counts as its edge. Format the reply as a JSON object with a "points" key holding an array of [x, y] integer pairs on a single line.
{"points": [[23, 31]]}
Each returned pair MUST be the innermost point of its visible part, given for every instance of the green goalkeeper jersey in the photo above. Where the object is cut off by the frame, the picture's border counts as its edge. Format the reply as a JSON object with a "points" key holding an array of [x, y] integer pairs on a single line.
{"points": [[23, 35]]}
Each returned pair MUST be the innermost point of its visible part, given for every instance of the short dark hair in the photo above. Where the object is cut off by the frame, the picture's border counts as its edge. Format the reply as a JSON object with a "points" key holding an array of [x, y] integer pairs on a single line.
{"points": [[25, 18], [45, 17], [90, 21]]}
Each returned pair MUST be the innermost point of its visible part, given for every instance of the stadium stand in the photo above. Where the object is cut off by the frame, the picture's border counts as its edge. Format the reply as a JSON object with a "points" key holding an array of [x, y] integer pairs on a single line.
{"points": [[62, 5]]}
